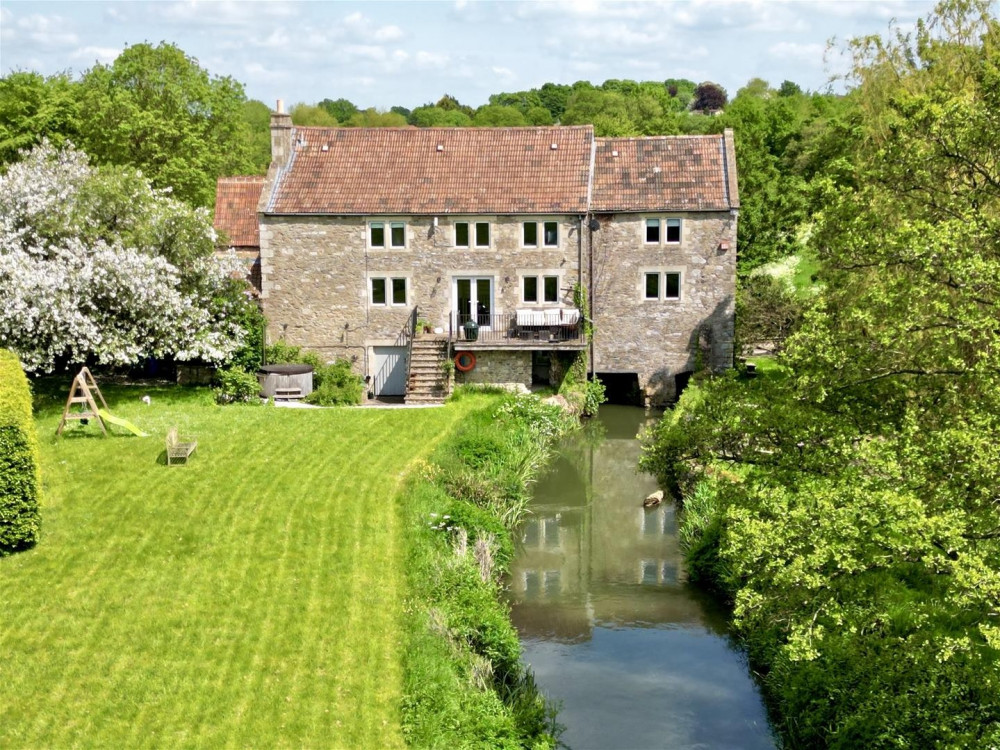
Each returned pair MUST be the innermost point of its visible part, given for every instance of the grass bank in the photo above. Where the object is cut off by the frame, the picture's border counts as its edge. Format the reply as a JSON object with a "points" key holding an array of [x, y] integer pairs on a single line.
{"points": [[252, 598], [466, 687]]}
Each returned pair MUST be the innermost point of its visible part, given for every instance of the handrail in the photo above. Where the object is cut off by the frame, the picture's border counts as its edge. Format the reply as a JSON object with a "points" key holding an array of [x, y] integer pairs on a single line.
{"points": [[409, 349], [523, 327]]}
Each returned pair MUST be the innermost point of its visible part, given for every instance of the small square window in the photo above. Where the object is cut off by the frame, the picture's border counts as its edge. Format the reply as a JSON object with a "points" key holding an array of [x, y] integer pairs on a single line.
{"points": [[482, 234], [551, 288], [530, 234], [653, 230], [378, 291], [377, 234], [652, 286], [673, 230], [398, 234], [551, 229], [530, 289], [672, 286], [462, 234]]}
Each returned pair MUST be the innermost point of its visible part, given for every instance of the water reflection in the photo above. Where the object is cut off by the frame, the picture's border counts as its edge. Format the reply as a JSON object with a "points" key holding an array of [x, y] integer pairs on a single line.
{"points": [[609, 625]]}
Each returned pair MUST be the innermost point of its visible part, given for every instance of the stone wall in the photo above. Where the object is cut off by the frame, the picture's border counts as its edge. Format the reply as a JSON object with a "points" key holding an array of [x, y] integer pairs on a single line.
{"points": [[507, 368], [316, 271], [657, 339]]}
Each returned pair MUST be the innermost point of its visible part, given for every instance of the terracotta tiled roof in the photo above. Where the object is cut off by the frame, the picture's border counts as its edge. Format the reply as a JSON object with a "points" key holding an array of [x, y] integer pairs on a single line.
{"points": [[435, 171], [236, 209], [681, 173]]}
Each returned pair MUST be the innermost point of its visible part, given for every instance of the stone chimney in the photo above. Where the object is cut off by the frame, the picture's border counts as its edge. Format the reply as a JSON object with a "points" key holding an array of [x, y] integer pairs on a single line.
{"points": [[281, 134]]}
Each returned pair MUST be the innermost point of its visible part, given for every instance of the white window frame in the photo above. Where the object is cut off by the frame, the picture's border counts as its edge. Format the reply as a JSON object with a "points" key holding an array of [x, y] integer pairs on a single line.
{"points": [[540, 234], [387, 227], [473, 230], [540, 277], [389, 281], [661, 291], [664, 224]]}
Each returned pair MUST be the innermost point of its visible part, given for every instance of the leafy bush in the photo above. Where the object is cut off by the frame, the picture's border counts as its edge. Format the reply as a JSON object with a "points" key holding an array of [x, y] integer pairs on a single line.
{"points": [[20, 480], [336, 385], [767, 312], [593, 396], [280, 353], [246, 313], [236, 386]]}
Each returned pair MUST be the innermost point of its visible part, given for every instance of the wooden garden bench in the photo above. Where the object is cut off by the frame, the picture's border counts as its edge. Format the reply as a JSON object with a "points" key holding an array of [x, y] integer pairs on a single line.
{"points": [[177, 449]]}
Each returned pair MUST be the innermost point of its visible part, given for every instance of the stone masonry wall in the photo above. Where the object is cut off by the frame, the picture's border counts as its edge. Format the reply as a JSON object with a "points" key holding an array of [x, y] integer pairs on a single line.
{"points": [[657, 339], [316, 270], [499, 367], [315, 275]]}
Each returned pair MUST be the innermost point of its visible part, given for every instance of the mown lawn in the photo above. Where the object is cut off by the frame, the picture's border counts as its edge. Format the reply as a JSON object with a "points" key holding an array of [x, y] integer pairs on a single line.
{"points": [[251, 598]]}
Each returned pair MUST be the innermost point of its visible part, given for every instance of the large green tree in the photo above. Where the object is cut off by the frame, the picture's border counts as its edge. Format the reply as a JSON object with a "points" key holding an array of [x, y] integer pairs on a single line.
{"points": [[157, 109], [33, 108], [860, 531], [257, 117]]}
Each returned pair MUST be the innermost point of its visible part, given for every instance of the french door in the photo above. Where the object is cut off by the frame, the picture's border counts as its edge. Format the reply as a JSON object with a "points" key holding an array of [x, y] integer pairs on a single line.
{"points": [[474, 299]]}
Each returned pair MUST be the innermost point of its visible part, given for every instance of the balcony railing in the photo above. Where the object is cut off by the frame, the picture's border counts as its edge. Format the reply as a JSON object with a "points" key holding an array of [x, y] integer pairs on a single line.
{"points": [[520, 328]]}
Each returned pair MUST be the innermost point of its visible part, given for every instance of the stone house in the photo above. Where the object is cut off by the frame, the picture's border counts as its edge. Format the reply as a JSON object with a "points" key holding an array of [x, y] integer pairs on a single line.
{"points": [[236, 201], [490, 238]]}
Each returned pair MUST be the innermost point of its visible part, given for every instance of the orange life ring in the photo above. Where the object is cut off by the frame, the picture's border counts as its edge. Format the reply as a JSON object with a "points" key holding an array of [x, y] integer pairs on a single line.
{"points": [[465, 361]]}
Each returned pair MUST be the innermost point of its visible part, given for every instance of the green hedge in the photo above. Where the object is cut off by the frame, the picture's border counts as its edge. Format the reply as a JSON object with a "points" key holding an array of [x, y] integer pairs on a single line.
{"points": [[20, 479]]}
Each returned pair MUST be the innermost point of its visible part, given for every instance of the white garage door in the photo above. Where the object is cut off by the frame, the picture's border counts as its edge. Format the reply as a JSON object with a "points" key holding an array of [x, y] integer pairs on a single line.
{"points": [[390, 371]]}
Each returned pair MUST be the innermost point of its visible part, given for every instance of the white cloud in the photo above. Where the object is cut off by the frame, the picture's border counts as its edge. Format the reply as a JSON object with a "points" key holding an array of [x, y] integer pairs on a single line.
{"points": [[260, 72], [364, 52], [867, 12], [277, 39], [585, 67], [621, 34], [103, 55], [437, 60], [6, 17], [802, 54], [388, 34], [45, 31], [222, 12], [506, 75]]}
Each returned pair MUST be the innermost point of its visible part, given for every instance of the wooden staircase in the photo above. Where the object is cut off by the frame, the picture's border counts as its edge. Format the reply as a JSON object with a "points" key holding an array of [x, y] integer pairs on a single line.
{"points": [[429, 382]]}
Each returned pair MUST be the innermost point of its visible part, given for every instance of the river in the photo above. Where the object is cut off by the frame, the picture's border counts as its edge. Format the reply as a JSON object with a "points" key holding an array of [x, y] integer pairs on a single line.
{"points": [[636, 656]]}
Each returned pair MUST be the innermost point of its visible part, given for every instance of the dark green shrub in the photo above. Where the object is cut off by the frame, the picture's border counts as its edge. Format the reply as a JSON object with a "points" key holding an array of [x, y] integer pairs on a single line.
{"points": [[236, 386], [245, 312], [476, 448], [20, 479], [336, 385]]}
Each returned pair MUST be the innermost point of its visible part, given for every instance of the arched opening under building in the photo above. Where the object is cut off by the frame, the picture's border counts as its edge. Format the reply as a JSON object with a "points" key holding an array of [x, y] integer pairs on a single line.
{"points": [[621, 388], [681, 380]]}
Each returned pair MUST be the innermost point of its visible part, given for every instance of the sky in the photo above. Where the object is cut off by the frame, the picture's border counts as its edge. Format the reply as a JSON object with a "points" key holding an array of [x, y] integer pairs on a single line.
{"points": [[382, 54]]}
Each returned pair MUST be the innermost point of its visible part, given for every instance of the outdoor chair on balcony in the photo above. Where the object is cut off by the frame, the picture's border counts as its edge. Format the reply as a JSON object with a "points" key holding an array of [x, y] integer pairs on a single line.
{"points": [[553, 324]]}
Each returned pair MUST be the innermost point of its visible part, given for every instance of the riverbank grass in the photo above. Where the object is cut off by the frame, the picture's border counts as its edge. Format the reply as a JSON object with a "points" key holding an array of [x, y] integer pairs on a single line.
{"points": [[251, 598]]}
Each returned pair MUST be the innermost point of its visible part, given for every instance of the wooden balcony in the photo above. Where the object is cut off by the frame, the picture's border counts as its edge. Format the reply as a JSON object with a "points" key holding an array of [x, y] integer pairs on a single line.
{"points": [[550, 329]]}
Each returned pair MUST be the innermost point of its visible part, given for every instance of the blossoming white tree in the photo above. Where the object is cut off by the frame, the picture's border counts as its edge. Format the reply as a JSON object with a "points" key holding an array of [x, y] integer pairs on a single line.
{"points": [[94, 262]]}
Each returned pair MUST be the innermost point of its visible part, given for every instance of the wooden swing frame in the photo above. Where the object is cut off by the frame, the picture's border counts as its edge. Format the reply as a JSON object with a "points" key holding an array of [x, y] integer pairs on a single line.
{"points": [[82, 392]]}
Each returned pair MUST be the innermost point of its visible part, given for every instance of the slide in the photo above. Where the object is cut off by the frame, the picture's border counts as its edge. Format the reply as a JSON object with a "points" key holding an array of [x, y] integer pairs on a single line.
{"points": [[112, 419]]}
